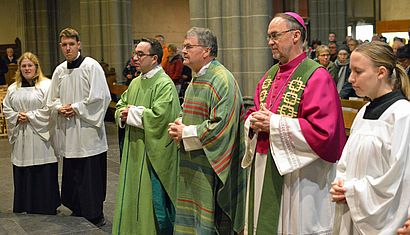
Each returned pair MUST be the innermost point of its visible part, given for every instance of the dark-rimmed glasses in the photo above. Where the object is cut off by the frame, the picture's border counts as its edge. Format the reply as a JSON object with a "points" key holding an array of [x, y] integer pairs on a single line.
{"points": [[141, 54], [275, 35]]}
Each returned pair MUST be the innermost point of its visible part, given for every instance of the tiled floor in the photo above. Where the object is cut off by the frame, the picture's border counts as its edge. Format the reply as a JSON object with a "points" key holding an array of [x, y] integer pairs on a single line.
{"points": [[62, 223]]}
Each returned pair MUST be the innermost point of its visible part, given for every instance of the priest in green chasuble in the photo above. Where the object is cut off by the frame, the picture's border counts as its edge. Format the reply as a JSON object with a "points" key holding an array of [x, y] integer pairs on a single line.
{"points": [[211, 183], [146, 194]]}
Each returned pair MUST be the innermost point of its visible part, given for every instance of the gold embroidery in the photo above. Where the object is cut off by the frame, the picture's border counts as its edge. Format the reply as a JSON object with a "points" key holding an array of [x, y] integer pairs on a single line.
{"points": [[264, 92], [291, 98]]}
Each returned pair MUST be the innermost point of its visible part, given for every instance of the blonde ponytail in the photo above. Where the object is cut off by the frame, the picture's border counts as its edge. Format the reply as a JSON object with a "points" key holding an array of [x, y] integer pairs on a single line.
{"points": [[403, 82]]}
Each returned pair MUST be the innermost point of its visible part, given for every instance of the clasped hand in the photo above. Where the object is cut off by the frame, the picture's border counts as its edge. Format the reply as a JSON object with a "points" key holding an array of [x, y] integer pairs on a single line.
{"points": [[22, 117], [175, 130], [260, 120], [67, 111], [124, 114], [338, 191]]}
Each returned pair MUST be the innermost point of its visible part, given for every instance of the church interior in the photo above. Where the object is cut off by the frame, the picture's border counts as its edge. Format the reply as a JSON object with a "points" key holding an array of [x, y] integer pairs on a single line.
{"points": [[108, 31]]}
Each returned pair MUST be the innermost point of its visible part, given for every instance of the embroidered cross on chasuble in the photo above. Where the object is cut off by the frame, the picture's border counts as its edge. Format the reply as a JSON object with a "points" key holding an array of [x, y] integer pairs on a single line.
{"points": [[291, 98]]}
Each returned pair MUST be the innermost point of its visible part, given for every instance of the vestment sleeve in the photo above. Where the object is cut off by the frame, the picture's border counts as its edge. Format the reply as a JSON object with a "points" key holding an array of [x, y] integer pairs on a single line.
{"points": [[11, 116], [92, 109], [288, 145], [39, 118], [320, 117], [53, 97]]}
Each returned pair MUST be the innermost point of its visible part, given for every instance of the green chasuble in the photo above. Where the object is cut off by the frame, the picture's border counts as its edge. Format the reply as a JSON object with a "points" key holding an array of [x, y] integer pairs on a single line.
{"points": [[149, 166], [211, 186]]}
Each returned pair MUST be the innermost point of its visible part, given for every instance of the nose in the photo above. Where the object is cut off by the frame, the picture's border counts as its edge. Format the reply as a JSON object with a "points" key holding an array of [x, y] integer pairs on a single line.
{"points": [[351, 78]]}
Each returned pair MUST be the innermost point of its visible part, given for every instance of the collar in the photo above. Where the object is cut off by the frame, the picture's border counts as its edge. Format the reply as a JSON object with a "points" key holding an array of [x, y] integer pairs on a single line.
{"points": [[293, 63], [76, 62], [151, 73], [377, 106], [203, 70]]}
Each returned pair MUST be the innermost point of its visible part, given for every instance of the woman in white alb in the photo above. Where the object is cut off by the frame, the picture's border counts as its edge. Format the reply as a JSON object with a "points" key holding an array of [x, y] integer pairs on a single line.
{"points": [[372, 184], [35, 167]]}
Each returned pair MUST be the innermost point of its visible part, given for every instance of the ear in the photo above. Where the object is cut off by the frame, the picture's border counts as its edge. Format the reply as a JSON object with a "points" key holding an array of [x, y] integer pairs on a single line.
{"points": [[207, 52], [79, 44], [155, 59], [296, 36], [382, 73]]}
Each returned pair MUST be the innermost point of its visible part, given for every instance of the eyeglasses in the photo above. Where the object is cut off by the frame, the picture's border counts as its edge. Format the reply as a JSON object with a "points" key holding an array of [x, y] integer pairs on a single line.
{"points": [[276, 35], [189, 46], [140, 54], [325, 55]]}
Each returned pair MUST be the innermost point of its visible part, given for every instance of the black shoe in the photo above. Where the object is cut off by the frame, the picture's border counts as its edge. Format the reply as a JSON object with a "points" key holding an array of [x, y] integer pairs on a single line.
{"points": [[99, 222]]}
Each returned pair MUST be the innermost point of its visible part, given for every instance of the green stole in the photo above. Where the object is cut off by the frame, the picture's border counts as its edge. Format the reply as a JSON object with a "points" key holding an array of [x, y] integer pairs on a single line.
{"points": [[269, 211]]}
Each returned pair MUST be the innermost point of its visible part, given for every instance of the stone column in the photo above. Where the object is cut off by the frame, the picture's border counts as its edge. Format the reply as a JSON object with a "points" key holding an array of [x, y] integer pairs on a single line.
{"points": [[327, 16], [241, 28], [106, 32], [40, 37]]}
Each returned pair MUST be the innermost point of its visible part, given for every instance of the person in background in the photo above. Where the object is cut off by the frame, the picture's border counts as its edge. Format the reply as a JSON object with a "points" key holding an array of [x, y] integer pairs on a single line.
{"points": [[146, 194], [174, 66], [10, 58], [371, 188], [397, 43], [333, 49], [352, 44], [211, 186], [130, 72], [312, 53], [294, 135], [161, 39], [186, 79], [403, 58], [80, 96], [35, 164], [332, 37], [323, 57], [3, 71], [344, 87]]}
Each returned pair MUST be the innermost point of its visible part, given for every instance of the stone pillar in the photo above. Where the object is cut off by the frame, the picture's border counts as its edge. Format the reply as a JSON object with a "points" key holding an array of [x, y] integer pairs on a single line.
{"points": [[40, 37], [104, 27], [241, 28], [106, 32], [327, 16]]}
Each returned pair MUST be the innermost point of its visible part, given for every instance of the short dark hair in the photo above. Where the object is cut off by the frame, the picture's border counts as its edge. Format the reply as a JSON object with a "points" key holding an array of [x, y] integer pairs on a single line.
{"points": [[156, 48], [317, 42], [403, 52], [70, 33]]}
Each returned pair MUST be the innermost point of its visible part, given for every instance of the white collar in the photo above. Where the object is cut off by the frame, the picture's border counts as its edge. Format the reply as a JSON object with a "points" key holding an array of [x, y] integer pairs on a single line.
{"points": [[151, 73], [203, 70]]}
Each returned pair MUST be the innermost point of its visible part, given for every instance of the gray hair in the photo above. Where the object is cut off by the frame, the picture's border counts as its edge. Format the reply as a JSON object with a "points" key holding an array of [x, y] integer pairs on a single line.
{"points": [[205, 37]]}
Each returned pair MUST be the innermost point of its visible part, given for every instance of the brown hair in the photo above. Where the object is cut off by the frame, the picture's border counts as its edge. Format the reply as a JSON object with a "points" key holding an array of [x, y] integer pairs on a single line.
{"points": [[39, 76], [69, 33], [381, 54]]}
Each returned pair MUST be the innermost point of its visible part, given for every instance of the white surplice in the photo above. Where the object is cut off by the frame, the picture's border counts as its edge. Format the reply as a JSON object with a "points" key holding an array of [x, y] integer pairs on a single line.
{"points": [[30, 141], [375, 166], [86, 89], [306, 181]]}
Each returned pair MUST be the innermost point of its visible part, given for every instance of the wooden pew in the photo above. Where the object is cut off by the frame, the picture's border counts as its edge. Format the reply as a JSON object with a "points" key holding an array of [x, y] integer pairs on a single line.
{"points": [[10, 75], [350, 109], [3, 123]]}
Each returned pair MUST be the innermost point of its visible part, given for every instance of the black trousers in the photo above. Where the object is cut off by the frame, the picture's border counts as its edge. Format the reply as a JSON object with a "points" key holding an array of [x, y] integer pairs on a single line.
{"points": [[36, 189], [84, 185]]}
